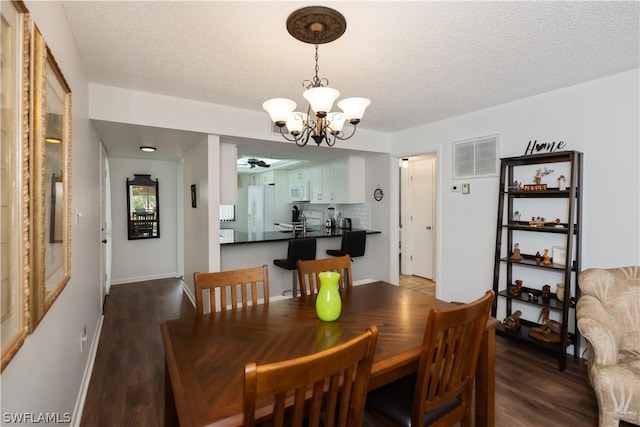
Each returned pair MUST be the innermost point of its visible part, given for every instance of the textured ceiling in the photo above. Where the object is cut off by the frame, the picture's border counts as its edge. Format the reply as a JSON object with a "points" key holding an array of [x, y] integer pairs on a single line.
{"points": [[417, 61]]}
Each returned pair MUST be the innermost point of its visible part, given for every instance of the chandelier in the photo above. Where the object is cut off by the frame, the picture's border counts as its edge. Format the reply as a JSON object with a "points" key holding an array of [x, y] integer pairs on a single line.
{"points": [[316, 25]]}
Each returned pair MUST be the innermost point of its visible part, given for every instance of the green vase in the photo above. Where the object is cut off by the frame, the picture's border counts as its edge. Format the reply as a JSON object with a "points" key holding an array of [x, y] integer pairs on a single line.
{"points": [[328, 302]]}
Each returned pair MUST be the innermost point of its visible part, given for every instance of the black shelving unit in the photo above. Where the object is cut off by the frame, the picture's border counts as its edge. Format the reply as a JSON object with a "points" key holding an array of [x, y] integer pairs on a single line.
{"points": [[505, 268]]}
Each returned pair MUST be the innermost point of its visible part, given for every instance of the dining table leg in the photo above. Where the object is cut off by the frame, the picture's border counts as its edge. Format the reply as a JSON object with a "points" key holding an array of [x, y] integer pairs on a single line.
{"points": [[170, 412], [486, 378]]}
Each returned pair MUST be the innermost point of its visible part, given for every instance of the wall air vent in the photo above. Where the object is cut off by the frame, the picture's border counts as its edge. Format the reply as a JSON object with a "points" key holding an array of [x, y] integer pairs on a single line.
{"points": [[475, 158], [276, 130]]}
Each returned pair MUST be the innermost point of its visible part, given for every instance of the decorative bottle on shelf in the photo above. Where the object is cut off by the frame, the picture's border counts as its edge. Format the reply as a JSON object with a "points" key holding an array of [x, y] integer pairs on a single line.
{"points": [[328, 302]]}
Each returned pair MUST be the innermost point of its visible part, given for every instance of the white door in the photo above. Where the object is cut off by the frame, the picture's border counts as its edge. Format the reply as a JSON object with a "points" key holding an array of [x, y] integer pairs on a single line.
{"points": [[421, 217], [105, 225]]}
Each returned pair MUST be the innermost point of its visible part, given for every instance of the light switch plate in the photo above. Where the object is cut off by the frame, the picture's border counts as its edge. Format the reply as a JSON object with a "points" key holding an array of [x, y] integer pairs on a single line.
{"points": [[466, 188]]}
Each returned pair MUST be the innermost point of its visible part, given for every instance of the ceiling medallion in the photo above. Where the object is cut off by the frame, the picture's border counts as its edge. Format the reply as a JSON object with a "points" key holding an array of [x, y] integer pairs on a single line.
{"points": [[316, 25]]}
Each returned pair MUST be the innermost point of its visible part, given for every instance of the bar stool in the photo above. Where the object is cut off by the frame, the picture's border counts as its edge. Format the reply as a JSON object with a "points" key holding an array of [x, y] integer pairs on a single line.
{"points": [[353, 244], [299, 249]]}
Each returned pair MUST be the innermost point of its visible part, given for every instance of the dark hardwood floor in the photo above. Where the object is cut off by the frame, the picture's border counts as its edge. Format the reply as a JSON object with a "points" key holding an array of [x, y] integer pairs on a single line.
{"points": [[127, 384]]}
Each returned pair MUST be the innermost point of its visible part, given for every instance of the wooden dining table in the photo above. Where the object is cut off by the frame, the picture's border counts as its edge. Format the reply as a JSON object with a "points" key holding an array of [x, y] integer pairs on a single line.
{"points": [[206, 354]]}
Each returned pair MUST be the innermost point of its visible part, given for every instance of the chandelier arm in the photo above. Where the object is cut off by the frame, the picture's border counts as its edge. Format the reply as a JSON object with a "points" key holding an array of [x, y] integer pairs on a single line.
{"points": [[305, 134], [341, 136], [330, 138], [284, 135]]}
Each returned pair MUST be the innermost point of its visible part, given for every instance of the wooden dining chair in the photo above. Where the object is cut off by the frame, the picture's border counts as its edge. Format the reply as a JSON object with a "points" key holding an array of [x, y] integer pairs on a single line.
{"points": [[326, 388], [440, 393], [308, 273], [238, 285]]}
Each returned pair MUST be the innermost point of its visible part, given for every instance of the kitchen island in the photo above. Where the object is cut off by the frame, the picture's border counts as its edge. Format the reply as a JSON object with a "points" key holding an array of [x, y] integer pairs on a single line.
{"points": [[240, 249], [234, 237]]}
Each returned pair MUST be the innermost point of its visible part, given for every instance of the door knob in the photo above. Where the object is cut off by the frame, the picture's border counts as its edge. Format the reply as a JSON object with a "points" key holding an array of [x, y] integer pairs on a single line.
{"points": [[104, 241], [428, 227]]}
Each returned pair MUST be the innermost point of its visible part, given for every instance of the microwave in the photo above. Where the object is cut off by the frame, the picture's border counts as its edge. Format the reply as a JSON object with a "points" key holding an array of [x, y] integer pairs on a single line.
{"points": [[299, 192]]}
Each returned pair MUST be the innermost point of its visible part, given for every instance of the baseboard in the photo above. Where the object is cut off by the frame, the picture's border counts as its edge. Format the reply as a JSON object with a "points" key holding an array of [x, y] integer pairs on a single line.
{"points": [[86, 377], [188, 293], [144, 278], [363, 282]]}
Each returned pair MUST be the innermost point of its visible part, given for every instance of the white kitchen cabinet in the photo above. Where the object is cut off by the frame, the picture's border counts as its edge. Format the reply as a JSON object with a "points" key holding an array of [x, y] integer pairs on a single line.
{"points": [[321, 183], [340, 181], [264, 178], [297, 177], [267, 178]]}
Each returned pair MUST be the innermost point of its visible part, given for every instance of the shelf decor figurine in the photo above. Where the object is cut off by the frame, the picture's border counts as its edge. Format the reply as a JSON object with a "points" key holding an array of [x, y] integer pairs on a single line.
{"points": [[516, 253], [537, 179], [512, 323], [562, 186], [560, 291], [538, 257], [549, 331], [546, 293], [328, 302], [540, 173], [546, 259], [516, 290]]}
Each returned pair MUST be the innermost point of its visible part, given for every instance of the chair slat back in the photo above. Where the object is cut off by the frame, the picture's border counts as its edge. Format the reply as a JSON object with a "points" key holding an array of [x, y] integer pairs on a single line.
{"points": [[308, 273], [240, 286], [332, 383], [449, 358]]}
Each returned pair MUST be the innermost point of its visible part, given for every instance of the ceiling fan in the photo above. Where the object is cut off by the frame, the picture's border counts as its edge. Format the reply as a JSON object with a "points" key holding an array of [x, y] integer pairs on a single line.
{"points": [[253, 162]]}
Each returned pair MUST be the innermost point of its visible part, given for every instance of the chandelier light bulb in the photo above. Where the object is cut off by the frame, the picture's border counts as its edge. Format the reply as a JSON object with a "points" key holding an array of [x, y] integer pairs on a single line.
{"points": [[321, 99], [353, 108], [296, 122], [336, 121], [279, 109]]}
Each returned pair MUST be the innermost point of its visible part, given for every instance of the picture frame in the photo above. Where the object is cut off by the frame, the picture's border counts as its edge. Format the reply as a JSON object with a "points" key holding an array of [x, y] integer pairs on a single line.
{"points": [[50, 151], [143, 207], [14, 178]]}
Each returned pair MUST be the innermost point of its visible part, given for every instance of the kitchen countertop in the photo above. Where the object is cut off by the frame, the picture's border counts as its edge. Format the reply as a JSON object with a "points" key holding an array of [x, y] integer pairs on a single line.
{"points": [[240, 237]]}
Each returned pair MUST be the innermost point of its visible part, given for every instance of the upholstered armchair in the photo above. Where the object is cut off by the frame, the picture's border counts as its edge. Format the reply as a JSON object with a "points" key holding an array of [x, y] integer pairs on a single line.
{"points": [[608, 316]]}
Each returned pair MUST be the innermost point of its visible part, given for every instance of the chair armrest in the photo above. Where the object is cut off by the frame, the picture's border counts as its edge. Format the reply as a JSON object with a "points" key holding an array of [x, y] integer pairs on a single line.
{"points": [[595, 325]]}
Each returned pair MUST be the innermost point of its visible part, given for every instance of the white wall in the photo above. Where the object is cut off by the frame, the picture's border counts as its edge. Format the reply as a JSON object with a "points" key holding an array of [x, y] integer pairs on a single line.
{"points": [[144, 259], [202, 224], [45, 375], [129, 106], [599, 118]]}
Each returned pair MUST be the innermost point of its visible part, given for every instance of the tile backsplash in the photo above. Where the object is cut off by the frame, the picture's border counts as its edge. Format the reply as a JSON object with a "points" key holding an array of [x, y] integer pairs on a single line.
{"points": [[360, 213]]}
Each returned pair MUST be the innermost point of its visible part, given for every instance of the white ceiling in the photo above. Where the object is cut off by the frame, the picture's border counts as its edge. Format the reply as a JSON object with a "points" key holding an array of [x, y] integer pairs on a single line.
{"points": [[418, 61]]}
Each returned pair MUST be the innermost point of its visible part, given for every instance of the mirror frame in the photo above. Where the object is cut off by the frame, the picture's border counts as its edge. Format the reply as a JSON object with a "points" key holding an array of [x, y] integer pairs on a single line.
{"points": [[46, 286], [143, 180], [15, 187]]}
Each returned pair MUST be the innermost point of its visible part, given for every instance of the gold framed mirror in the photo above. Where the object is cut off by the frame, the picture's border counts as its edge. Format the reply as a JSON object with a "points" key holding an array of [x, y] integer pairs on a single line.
{"points": [[14, 178], [51, 180]]}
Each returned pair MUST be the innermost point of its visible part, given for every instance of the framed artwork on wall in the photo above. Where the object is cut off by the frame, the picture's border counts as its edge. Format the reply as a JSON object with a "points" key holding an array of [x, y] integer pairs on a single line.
{"points": [[14, 178], [50, 189]]}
